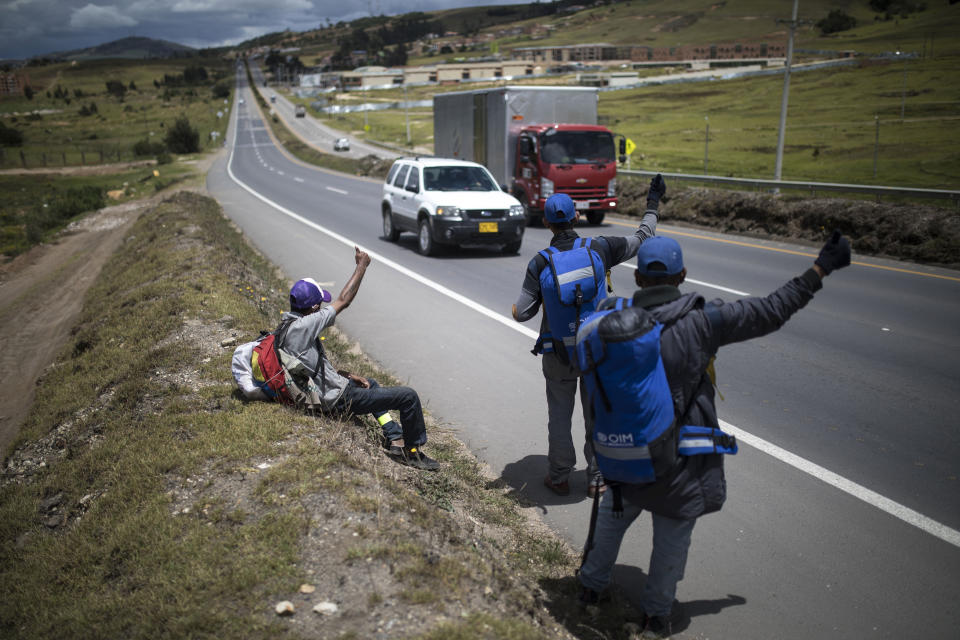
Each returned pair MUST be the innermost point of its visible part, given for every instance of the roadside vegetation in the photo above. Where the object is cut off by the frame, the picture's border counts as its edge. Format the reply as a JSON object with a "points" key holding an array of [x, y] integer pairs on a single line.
{"points": [[103, 111], [145, 496]]}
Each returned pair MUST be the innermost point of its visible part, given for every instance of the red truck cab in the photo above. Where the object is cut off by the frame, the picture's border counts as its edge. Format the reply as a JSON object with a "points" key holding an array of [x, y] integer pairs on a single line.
{"points": [[576, 159]]}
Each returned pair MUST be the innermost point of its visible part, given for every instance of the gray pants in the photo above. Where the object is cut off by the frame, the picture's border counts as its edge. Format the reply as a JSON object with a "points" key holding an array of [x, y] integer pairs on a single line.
{"points": [[668, 559], [562, 381]]}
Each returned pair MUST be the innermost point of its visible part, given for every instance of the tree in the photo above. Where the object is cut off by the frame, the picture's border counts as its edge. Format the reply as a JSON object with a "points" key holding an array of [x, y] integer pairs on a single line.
{"points": [[182, 138], [116, 88], [10, 137], [836, 20]]}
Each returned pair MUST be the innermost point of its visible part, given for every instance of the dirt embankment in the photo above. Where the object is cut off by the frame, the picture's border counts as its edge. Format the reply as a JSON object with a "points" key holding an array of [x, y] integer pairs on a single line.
{"points": [[917, 232]]}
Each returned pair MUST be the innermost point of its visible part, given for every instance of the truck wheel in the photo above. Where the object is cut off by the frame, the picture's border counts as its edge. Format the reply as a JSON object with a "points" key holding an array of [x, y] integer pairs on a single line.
{"points": [[595, 217], [390, 231], [511, 248], [425, 244]]}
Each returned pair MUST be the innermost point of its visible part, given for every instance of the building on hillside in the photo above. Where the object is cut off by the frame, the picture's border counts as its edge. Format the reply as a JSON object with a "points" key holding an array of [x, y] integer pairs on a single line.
{"points": [[600, 52], [13, 84], [371, 77]]}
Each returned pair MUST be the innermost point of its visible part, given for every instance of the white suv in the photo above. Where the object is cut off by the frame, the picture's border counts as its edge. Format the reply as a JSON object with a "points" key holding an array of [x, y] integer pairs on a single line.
{"points": [[449, 202]]}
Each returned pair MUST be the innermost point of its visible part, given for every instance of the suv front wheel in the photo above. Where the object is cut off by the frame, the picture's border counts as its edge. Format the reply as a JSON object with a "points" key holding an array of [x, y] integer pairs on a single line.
{"points": [[425, 244]]}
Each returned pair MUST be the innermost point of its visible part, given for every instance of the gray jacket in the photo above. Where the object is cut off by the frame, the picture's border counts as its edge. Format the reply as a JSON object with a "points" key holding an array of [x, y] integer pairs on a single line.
{"points": [[693, 332], [301, 341]]}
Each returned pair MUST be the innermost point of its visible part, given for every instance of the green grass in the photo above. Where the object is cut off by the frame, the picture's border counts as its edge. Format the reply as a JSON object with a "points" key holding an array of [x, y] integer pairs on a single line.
{"points": [[65, 136], [26, 195], [831, 127]]}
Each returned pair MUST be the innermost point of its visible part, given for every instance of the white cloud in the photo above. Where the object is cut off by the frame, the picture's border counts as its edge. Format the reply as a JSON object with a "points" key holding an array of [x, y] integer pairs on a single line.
{"points": [[233, 6], [95, 16]]}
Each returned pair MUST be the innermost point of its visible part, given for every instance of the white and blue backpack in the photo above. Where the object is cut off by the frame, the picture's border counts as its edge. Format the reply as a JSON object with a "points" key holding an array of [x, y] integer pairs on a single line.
{"points": [[636, 437], [571, 285]]}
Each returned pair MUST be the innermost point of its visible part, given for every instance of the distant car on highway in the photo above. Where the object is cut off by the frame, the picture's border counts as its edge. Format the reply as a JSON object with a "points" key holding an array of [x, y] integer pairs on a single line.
{"points": [[300, 111], [241, 101], [449, 202], [341, 144], [273, 97]]}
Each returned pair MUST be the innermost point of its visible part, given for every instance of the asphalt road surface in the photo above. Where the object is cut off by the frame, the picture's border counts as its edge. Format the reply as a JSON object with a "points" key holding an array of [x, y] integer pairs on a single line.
{"points": [[843, 512]]}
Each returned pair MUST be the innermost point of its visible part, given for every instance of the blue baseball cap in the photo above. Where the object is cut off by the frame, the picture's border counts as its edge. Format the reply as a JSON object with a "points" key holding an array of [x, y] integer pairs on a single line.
{"points": [[559, 208], [306, 293], [660, 249]]}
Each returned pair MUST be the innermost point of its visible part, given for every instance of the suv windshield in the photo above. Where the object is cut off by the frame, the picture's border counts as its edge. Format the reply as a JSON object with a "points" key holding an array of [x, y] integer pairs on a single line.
{"points": [[457, 179], [576, 147]]}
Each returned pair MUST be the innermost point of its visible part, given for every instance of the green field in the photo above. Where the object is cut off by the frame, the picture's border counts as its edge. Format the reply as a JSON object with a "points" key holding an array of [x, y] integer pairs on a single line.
{"points": [[844, 124], [831, 131], [55, 129]]}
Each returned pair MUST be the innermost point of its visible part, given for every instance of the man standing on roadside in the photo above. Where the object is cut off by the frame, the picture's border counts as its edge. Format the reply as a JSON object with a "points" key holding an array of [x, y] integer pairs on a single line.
{"points": [[560, 216], [345, 392], [693, 331]]}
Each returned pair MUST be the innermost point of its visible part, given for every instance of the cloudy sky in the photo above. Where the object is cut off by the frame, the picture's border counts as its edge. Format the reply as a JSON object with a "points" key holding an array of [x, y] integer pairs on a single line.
{"points": [[32, 27]]}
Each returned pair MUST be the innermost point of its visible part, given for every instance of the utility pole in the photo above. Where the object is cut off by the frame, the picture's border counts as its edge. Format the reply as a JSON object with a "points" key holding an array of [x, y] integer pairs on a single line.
{"points": [[903, 91], [706, 145], [406, 110], [786, 93], [876, 145]]}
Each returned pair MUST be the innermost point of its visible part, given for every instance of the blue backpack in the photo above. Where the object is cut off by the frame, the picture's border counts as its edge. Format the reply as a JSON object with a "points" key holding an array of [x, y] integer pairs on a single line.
{"points": [[635, 435], [571, 285]]}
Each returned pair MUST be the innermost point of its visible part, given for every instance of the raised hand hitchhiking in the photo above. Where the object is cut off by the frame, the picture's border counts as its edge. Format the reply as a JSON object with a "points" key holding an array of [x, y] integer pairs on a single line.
{"points": [[657, 189], [835, 254]]}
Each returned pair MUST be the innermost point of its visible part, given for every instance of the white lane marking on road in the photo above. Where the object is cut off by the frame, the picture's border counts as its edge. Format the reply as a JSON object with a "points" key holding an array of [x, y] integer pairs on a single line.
{"points": [[340, 191], [299, 179], [872, 498], [699, 282]]}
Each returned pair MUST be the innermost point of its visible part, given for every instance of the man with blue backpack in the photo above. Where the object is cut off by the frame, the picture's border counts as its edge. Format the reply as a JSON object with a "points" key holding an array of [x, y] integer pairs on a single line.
{"points": [[659, 442], [568, 278]]}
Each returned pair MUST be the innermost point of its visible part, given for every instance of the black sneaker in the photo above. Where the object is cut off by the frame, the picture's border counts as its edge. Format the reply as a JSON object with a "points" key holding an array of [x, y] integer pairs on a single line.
{"points": [[658, 628], [588, 596], [413, 457], [393, 450]]}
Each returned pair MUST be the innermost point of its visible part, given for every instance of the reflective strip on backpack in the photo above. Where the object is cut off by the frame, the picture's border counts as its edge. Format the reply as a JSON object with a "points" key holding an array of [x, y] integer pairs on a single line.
{"points": [[696, 441], [576, 274], [621, 453]]}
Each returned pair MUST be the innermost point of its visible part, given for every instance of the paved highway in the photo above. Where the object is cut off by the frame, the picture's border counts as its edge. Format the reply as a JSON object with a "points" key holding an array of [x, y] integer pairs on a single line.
{"points": [[843, 507]]}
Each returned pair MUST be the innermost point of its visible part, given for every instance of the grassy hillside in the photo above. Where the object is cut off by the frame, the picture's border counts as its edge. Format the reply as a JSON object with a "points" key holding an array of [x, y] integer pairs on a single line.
{"points": [[146, 499]]}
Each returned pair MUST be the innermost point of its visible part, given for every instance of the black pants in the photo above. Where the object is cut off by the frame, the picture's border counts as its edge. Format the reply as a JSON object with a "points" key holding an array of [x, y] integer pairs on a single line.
{"points": [[378, 399]]}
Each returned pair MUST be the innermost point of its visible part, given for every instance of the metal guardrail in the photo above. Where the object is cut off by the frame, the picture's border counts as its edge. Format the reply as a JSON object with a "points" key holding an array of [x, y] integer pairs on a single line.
{"points": [[812, 187]]}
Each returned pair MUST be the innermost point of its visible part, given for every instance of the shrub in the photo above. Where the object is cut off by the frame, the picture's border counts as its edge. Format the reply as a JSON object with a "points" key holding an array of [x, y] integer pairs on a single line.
{"points": [[116, 88], [144, 148], [182, 138], [10, 137], [61, 208], [221, 90], [837, 20]]}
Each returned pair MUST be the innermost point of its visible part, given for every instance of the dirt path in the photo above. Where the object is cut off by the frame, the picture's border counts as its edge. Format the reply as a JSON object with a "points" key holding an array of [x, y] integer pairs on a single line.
{"points": [[41, 295]]}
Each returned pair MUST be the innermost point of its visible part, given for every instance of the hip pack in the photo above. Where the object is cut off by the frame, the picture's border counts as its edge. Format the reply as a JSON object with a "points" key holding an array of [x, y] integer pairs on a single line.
{"points": [[570, 285], [636, 437]]}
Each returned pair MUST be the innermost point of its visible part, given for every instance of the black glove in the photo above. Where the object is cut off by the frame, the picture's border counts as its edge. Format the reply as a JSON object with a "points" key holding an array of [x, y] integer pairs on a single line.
{"points": [[657, 189], [835, 254]]}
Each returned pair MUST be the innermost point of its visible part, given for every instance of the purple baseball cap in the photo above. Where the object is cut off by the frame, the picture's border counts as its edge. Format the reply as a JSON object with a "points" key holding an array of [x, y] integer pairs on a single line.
{"points": [[306, 293], [660, 249]]}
